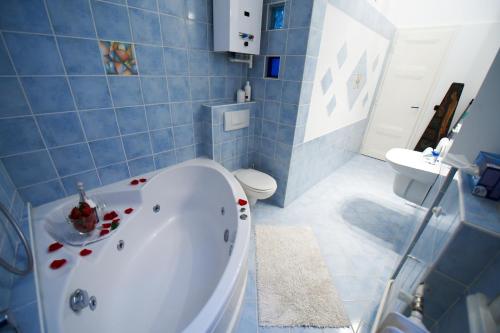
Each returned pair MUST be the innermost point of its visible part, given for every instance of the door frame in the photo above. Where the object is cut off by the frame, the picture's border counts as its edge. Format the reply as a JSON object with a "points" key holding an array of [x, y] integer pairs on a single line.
{"points": [[422, 114]]}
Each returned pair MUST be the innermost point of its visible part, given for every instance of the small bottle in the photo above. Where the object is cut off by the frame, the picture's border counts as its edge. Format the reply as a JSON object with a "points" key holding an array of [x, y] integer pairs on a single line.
{"points": [[248, 92], [435, 155], [240, 96]]}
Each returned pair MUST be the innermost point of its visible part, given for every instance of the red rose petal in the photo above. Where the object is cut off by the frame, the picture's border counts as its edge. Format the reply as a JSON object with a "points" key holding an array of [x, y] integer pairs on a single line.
{"points": [[58, 263], [104, 232], [143, 180], [129, 210], [134, 182], [110, 216], [242, 202], [85, 252], [116, 221], [55, 246], [106, 225]]}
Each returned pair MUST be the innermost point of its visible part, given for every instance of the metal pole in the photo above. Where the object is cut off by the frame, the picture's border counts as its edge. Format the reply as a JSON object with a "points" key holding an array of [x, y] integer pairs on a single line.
{"points": [[427, 218]]}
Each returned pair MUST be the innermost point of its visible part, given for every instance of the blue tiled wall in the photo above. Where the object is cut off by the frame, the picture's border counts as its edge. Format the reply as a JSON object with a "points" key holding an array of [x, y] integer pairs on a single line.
{"points": [[280, 120], [62, 113], [230, 148], [17, 294], [279, 100]]}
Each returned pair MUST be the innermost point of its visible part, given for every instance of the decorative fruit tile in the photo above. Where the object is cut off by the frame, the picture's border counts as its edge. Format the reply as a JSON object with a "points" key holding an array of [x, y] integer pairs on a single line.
{"points": [[118, 58]]}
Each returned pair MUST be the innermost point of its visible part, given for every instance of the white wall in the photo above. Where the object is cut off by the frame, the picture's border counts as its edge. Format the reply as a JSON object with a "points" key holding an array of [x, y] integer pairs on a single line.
{"points": [[339, 29], [481, 128], [430, 13], [467, 61]]}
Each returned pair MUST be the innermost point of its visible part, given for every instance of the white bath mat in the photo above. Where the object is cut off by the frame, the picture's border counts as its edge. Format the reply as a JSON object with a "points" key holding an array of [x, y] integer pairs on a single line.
{"points": [[294, 287]]}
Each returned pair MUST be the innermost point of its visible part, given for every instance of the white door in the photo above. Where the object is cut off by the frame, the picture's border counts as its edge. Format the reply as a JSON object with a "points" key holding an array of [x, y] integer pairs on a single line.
{"points": [[414, 63]]}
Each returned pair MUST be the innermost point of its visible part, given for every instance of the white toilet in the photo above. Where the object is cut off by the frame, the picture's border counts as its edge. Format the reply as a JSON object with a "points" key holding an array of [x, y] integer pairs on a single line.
{"points": [[257, 185]]}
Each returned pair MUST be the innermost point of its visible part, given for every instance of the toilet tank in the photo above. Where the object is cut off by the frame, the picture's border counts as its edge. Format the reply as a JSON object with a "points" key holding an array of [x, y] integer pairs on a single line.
{"points": [[237, 25]]}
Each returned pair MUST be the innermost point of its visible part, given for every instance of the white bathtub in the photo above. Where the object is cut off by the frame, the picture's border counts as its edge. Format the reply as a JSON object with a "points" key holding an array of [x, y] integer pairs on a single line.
{"points": [[176, 273]]}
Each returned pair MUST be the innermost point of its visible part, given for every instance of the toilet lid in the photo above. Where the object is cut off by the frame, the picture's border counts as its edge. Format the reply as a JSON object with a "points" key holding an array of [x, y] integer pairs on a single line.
{"points": [[255, 179]]}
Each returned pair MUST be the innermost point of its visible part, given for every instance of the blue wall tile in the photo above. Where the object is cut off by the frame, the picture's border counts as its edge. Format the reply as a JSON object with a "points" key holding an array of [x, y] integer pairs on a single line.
{"points": [[178, 88], [42, 193], [104, 14], [217, 87], [165, 159], [297, 41], [196, 10], [467, 254], [158, 116], [154, 90], [137, 145], [176, 61], [183, 135], [294, 68], [218, 64], [173, 31], [145, 26], [12, 98], [71, 18], [132, 119], [146, 4], [184, 154], [301, 12], [199, 62], [173, 7], [150, 60], [72, 159], [273, 90], [197, 35], [277, 42], [200, 89], [90, 92], [113, 173], [5, 64], [107, 151], [19, 135], [22, 172], [48, 94], [61, 129], [81, 56], [27, 16], [126, 91], [182, 113], [141, 165], [99, 124], [162, 140], [89, 179], [47, 57]]}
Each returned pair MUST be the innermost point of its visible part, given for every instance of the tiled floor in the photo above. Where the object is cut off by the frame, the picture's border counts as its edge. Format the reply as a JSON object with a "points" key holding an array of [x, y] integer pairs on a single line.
{"points": [[361, 226]]}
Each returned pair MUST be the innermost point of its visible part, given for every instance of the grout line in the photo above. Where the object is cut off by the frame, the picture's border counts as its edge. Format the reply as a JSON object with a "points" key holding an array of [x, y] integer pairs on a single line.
{"points": [[72, 94], [140, 82], [167, 77], [28, 102], [109, 88]]}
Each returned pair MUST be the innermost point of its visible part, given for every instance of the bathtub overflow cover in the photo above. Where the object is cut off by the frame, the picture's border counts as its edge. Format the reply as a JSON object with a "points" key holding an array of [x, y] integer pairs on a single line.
{"points": [[120, 245], [226, 235], [156, 208], [222, 211]]}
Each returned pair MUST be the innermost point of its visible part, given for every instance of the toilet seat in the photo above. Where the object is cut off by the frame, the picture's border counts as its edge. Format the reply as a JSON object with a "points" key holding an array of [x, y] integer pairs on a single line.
{"points": [[255, 180]]}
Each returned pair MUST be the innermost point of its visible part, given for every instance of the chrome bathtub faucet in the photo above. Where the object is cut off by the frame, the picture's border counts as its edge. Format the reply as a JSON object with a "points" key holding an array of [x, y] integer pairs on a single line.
{"points": [[79, 300]]}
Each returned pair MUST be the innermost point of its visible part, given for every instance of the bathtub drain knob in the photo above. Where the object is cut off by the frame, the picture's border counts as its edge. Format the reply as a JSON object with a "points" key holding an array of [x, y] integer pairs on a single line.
{"points": [[226, 235], [243, 216], [120, 245]]}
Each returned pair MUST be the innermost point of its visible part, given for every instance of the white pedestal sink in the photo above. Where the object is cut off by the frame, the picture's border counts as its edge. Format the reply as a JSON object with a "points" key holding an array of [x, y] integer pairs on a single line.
{"points": [[414, 174]]}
